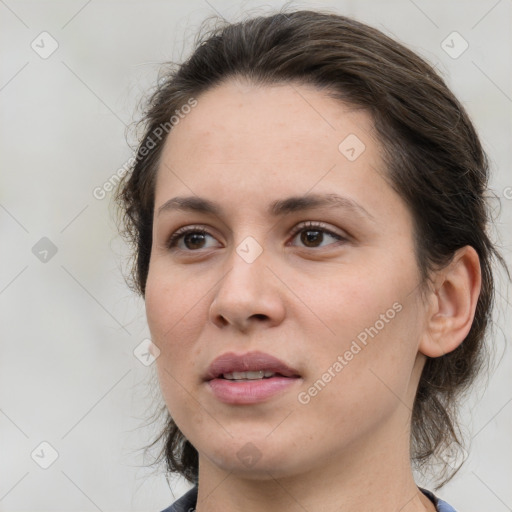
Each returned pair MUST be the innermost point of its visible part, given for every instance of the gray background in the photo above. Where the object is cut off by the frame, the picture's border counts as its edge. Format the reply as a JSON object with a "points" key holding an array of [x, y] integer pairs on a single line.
{"points": [[69, 325]]}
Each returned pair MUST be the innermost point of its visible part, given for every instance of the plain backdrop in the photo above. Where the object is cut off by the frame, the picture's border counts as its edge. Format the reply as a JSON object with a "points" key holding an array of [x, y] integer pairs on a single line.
{"points": [[71, 75]]}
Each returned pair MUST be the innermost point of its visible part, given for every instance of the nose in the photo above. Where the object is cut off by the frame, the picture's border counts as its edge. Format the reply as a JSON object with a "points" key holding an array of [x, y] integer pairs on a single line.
{"points": [[249, 296]]}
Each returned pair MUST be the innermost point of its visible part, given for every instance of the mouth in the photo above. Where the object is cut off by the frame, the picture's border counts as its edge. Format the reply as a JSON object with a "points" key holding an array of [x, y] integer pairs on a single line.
{"points": [[249, 378], [252, 375], [248, 366]]}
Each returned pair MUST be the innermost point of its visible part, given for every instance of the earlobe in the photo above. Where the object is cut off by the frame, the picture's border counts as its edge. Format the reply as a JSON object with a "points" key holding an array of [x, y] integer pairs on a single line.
{"points": [[453, 304]]}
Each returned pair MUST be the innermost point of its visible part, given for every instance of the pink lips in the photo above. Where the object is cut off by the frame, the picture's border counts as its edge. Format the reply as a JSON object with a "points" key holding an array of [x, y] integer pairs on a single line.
{"points": [[249, 391]]}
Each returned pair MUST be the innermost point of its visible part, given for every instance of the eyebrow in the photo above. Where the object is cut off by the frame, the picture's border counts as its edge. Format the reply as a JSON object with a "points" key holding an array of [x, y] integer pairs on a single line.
{"points": [[277, 208]]}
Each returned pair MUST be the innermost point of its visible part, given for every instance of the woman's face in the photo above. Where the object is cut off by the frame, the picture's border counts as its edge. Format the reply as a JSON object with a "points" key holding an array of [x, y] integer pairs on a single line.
{"points": [[329, 287]]}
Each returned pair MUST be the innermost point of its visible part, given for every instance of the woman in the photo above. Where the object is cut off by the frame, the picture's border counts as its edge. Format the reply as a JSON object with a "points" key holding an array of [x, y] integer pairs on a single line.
{"points": [[309, 225]]}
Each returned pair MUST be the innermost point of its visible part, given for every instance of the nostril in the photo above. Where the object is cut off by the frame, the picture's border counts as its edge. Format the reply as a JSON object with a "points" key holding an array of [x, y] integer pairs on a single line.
{"points": [[260, 316], [223, 321]]}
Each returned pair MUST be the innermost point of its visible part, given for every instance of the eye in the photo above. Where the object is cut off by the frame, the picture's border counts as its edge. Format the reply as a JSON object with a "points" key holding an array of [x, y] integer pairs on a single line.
{"points": [[313, 234], [189, 238]]}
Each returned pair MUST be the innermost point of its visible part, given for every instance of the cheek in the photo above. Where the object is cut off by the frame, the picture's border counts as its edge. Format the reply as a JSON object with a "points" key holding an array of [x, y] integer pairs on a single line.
{"points": [[371, 384], [175, 315], [377, 326], [170, 302], [348, 304], [174, 319]]}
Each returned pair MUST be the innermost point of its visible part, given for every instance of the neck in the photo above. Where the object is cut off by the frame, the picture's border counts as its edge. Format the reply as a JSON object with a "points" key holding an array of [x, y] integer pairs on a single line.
{"points": [[375, 478]]}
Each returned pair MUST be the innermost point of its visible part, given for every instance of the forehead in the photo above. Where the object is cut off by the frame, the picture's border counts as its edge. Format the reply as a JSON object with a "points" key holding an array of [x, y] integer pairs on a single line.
{"points": [[242, 130], [283, 122]]}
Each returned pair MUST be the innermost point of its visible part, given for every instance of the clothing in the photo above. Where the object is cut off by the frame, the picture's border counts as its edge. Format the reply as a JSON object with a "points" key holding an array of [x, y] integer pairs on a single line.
{"points": [[441, 506], [187, 503]]}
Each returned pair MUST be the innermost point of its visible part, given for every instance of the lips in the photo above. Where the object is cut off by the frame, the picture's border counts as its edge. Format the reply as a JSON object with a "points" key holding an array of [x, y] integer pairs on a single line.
{"points": [[249, 362], [249, 379]]}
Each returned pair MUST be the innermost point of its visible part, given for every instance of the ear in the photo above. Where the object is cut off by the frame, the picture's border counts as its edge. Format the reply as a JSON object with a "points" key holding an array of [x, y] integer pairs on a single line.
{"points": [[453, 304]]}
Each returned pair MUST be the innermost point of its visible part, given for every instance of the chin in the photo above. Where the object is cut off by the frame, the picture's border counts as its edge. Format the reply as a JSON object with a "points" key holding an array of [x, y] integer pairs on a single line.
{"points": [[255, 459]]}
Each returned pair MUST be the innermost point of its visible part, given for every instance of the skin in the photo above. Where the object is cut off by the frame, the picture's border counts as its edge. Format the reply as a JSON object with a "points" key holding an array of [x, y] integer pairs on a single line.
{"points": [[348, 448]]}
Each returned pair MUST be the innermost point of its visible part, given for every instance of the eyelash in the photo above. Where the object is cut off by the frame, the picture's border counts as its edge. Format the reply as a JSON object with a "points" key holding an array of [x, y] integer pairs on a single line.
{"points": [[305, 226]]}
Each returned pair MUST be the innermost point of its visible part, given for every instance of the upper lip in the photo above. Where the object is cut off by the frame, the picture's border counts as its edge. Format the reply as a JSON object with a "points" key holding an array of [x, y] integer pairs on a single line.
{"points": [[250, 361]]}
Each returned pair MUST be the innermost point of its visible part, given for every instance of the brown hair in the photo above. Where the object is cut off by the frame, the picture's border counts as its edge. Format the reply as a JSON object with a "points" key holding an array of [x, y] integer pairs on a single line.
{"points": [[433, 156]]}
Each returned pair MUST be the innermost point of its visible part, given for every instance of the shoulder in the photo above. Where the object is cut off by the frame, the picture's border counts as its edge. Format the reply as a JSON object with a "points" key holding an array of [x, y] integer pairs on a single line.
{"points": [[187, 503], [441, 506]]}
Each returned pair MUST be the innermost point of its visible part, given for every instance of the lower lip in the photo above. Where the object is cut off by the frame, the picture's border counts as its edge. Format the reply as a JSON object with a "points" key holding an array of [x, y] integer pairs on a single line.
{"points": [[249, 391]]}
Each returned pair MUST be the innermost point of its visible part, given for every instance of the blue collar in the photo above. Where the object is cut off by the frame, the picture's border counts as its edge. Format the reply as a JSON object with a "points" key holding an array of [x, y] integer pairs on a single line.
{"points": [[187, 503]]}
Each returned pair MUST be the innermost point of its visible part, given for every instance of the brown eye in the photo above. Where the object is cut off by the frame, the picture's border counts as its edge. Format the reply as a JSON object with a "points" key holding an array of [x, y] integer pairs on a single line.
{"points": [[194, 240], [189, 239], [311, 238], [314, 235]]}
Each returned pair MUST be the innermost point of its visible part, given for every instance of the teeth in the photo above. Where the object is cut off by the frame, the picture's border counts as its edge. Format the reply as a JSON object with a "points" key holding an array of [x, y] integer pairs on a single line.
{"points": [[248, 375]]}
